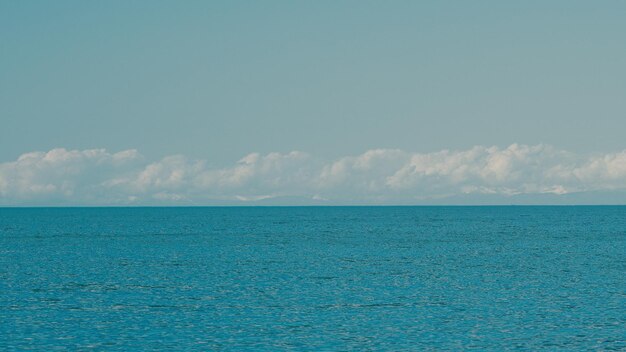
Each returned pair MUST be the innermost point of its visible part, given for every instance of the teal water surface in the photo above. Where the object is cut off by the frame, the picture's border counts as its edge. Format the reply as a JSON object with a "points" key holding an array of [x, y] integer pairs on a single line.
{"points": [[313, 278]]}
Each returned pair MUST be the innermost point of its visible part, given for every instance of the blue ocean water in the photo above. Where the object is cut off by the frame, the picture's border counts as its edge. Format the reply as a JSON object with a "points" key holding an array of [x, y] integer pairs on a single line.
{"points": [[313, 278]]}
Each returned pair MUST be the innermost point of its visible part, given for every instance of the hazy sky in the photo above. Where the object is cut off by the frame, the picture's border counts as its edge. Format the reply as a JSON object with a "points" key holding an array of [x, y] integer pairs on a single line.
{"points": [[217, 80]]}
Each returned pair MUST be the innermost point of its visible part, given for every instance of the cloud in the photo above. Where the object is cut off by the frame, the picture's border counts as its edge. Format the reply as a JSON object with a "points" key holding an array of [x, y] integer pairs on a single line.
{"points": [[514, 170], [63, 175], [384, 176]]}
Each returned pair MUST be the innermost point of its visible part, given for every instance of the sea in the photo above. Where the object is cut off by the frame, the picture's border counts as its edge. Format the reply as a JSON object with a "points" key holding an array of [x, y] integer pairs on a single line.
{"points": [[545, 278]]}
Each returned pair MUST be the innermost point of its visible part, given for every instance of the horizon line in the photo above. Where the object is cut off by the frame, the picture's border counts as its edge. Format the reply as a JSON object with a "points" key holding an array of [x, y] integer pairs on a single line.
{"points": [[308, 206]]}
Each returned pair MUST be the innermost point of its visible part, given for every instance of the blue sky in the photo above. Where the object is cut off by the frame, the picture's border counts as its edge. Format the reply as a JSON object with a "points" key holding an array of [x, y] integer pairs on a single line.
{"points": [[215, 81]]}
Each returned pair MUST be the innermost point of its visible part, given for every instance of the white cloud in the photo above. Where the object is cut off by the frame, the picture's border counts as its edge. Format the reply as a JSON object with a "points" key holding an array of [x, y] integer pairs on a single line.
{"points": [[365, 172], [97, 176], [62, 174]]}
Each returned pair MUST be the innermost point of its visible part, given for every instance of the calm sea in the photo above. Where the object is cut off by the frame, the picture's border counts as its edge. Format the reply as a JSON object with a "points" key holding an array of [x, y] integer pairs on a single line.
{"points": [[313, 278]]}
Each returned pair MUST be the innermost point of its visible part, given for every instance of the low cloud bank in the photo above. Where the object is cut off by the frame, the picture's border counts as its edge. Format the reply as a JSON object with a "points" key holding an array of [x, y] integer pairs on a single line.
{"points": [[380, 176]]}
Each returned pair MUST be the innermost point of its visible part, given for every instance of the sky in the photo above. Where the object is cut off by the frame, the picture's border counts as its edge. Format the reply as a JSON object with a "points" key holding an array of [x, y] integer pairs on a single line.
{"points": [[233, 102]]}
